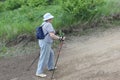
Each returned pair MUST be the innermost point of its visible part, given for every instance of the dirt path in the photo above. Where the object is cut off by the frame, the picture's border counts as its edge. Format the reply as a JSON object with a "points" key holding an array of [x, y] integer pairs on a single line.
{"points": [[90, 57]]}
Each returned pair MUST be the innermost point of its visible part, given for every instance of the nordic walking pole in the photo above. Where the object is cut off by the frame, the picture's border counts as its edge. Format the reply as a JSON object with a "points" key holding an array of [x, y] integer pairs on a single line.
{"points": [[33, 62], [61, 44]]}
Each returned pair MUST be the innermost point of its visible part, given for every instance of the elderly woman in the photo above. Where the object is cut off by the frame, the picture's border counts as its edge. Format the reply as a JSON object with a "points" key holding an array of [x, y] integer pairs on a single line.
{"points": [[46, 52]]}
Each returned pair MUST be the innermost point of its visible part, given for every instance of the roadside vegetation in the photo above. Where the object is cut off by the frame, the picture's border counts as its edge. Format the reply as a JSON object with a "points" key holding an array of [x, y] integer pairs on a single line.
{"points": [[22, 16], [18, 17]]}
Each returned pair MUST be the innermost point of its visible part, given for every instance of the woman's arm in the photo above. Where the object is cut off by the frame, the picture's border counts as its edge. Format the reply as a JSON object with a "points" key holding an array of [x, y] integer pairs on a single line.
{"points": [[52, 35]]}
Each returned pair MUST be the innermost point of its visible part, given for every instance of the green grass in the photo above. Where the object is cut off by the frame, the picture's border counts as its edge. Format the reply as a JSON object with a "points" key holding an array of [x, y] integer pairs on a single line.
{"points": [[111, 7], [25, 19]]}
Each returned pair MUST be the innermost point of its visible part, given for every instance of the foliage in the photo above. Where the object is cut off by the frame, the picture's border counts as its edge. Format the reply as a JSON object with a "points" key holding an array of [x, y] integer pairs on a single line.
{"points": [[25, 20], [110, 7], [22, 16], [35, 3], [82, 9], [1, 6], [13, 4], [3, 48]]}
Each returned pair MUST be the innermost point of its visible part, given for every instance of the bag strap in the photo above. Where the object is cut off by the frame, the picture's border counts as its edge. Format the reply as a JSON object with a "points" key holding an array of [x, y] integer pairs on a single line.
{"points": [[42, 28]]}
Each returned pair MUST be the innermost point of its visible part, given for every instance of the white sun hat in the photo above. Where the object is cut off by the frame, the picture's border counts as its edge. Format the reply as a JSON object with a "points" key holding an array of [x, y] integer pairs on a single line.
{"points": [[47, 16]]}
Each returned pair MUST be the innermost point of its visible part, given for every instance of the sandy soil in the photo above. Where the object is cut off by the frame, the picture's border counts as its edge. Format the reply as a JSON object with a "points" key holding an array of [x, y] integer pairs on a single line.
{"points": [[89, 57]]}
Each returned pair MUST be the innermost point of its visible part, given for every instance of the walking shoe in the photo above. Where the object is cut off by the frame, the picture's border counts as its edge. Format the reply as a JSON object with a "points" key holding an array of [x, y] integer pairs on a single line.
{"points": [[41, 75], [53, 69]]}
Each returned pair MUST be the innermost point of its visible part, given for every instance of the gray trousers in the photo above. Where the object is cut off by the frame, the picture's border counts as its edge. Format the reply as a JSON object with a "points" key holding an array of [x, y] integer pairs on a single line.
{"points": [[46, 58]]}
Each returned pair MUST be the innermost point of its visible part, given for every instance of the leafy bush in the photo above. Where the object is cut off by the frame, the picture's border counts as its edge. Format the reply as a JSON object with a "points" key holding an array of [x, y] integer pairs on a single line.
{"points": [[1, 6], [35, 3], [12, 4], [15, 4], [82, 9]]}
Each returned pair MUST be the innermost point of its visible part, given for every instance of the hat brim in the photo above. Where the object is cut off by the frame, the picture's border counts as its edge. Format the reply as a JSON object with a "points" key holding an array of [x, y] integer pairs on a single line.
{"points": [[51, 17]]}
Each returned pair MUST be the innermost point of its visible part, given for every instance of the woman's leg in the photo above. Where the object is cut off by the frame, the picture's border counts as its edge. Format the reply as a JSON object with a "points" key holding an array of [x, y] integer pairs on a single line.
{"points": [[44, 57], [51, 60]]}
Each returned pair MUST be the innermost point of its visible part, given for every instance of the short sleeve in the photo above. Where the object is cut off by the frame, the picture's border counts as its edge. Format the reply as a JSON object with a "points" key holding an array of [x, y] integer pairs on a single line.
{"points": [[50, 28]]}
